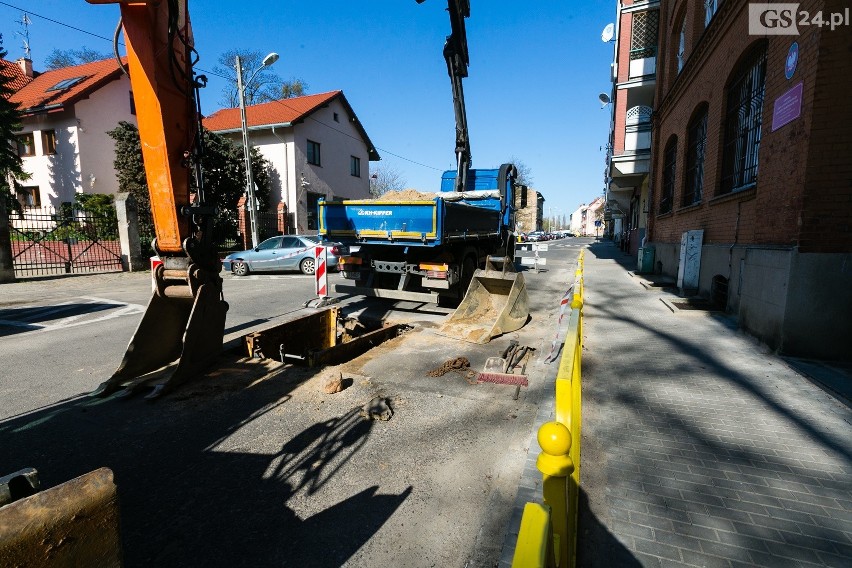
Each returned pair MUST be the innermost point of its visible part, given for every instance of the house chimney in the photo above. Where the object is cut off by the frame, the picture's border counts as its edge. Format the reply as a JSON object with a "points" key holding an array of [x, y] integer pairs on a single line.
{"points": [[26, 66]]}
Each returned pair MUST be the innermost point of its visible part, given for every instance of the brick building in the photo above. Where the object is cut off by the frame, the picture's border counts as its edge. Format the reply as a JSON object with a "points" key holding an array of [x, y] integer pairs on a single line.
{"points": [[751, 171], [529, 205], [634, 70]]}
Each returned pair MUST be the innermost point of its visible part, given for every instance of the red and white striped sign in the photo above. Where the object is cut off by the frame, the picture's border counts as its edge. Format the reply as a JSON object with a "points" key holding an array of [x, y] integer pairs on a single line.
{"points": [[320, 272]]}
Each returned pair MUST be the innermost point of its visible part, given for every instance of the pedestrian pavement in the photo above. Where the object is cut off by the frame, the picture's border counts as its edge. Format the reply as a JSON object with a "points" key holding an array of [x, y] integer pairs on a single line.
{"points": [[699, 446]]}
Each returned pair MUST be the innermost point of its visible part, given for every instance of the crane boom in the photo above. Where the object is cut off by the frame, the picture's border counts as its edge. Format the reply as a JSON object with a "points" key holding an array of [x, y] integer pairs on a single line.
{"points": [[456, 56]]}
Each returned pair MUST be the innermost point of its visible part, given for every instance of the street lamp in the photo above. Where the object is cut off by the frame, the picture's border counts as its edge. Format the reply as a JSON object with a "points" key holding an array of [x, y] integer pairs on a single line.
{"points": [[267, 61]]}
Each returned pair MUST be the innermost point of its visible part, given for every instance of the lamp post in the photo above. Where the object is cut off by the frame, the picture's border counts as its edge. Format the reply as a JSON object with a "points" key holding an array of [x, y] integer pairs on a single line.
{"points": [[267, 61]]}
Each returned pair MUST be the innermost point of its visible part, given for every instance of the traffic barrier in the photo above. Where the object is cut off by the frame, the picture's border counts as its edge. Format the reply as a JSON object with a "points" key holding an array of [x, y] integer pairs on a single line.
{"points": [[548, 532], [320, 272]]}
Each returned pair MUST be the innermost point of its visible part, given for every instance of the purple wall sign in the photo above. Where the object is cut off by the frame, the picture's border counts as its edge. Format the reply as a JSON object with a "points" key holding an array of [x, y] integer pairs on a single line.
{"points": [[788, 107]]}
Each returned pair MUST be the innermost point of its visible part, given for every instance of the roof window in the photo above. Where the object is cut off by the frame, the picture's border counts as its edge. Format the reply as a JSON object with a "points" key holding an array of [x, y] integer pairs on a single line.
{"points": [[65, 84]]}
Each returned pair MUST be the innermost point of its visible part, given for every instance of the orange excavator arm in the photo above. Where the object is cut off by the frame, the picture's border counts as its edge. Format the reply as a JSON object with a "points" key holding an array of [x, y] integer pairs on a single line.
{"points": [[182, 329], [159, 43]]}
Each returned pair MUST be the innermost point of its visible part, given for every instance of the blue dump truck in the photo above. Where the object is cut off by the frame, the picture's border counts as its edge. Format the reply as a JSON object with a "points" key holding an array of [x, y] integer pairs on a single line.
{"points": [[451, 246], [456, 245], [424, 249]]}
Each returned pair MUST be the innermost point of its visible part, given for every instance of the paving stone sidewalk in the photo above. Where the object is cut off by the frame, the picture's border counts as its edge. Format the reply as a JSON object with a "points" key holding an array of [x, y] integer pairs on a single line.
{"points": [[700, 448]]}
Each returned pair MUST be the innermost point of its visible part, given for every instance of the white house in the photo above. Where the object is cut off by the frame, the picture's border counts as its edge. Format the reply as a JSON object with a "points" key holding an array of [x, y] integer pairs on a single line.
{"points": [[66, 115], [317, 148]]}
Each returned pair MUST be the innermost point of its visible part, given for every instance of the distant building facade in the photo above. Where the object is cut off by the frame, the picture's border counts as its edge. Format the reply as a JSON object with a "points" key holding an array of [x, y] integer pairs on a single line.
{"points": [[64, 144], [529, 205], [634, 72], [316, 145]]}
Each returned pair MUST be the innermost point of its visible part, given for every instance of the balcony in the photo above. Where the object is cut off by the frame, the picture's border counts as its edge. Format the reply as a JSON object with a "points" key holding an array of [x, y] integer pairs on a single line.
{"points": [[642, 66], [635, 159]]}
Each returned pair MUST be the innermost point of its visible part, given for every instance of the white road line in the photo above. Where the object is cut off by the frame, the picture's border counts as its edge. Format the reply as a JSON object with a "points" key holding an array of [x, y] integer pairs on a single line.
{"points": [[120, 309]]}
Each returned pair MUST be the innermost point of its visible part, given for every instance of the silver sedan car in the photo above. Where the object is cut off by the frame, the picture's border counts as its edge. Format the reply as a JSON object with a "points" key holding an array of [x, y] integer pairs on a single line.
{"points": [[284, 252]]}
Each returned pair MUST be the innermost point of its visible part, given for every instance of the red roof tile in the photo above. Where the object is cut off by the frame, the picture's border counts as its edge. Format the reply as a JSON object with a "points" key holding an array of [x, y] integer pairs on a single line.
{"points": [[284, 111], [37, 95], [13, 70], [274, 112]]}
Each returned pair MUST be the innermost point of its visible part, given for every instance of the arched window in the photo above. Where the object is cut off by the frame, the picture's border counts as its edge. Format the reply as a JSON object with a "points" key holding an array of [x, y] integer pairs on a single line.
{"points": [[743, 118], [681, 46], [695, 151], [669, 171], [710, 7]]}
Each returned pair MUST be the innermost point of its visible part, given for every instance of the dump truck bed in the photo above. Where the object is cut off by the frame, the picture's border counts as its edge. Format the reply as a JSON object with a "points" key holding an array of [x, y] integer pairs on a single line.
{"points": [[447, 218]]}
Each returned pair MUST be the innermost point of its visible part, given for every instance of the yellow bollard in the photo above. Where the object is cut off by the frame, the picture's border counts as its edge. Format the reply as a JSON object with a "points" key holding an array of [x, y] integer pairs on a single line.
{"points": [[555, 465]]}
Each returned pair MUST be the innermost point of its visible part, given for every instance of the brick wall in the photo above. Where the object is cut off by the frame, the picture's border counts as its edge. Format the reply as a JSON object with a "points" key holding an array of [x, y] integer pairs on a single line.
{"points": [[803, 193], [826, 201]]}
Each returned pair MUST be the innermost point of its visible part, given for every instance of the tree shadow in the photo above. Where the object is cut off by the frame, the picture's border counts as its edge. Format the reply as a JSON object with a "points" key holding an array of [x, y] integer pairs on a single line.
{"points": [[65, 177], [688, 471], [188, 495]]}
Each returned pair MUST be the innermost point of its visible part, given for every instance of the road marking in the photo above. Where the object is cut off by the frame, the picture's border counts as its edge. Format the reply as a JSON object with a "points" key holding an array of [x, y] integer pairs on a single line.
{"points": [[271, 277], [113, 309]]}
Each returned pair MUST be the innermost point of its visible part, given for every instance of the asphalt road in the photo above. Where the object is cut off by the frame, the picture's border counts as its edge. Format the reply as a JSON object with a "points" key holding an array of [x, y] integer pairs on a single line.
{"points": [[64, 336], [253, 464]]}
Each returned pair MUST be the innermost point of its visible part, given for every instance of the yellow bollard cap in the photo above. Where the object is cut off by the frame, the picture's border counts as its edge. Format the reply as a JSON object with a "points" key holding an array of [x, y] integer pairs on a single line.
{"points": [[555, 441]]}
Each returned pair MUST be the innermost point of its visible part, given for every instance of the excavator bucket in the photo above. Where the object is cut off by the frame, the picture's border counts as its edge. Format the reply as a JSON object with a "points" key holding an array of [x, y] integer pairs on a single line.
{"points": [[179, 336], [496, 302], [75, 523]]}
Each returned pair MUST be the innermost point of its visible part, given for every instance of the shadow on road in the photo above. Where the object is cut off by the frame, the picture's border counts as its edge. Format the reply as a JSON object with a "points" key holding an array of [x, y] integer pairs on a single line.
{"points": [[20, 320], [192, 494]]}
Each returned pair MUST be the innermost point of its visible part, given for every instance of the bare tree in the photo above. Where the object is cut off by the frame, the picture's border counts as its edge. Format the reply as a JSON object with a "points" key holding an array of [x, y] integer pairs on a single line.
{"points": [[524, 171], [293, 87], [385, 178], [260, 87], [60, 58]]}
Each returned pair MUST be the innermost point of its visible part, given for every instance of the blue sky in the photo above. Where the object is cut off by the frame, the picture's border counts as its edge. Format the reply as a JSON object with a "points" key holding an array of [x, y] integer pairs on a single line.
{"points": [[536, 69]]}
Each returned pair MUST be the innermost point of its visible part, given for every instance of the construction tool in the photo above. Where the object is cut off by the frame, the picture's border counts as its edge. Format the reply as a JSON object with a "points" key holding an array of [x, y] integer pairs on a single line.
{"points": [[500, 369]]}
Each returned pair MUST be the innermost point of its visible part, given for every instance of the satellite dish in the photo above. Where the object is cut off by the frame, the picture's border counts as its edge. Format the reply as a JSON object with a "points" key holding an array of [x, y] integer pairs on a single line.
{"points": [[604, 98], [608, 33]]}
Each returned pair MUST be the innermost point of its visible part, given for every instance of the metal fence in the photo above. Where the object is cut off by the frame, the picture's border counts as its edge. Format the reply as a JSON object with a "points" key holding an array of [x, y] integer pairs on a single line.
{"points": [[47, 241], [227, 234], [548, 534]]}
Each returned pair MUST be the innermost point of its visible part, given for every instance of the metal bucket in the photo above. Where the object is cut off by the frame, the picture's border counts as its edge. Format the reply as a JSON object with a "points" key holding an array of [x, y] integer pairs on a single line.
{"points": [[496, 302]]}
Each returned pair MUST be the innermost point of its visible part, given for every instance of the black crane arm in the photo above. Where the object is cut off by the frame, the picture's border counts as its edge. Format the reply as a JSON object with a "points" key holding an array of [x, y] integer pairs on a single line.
{"points": [[456, 56]]}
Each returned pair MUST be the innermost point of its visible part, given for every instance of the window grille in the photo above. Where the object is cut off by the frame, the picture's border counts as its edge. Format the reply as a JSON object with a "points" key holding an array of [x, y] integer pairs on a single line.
{"points": [[669, 167], [696, 144], [643, 34], [743, 117]]}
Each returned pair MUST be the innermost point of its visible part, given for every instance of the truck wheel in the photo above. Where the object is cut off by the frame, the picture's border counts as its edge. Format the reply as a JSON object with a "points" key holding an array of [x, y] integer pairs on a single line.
{"points": [[307, 266], [239, 268]]}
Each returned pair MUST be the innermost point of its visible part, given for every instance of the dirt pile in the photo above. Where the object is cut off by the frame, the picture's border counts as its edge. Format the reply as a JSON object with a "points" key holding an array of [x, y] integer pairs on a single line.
{"points": [[407, 195]]}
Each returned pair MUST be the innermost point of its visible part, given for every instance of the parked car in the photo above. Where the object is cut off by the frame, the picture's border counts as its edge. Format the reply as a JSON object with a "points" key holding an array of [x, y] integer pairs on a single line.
{"points": [[284, 252], [536, 236]]}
